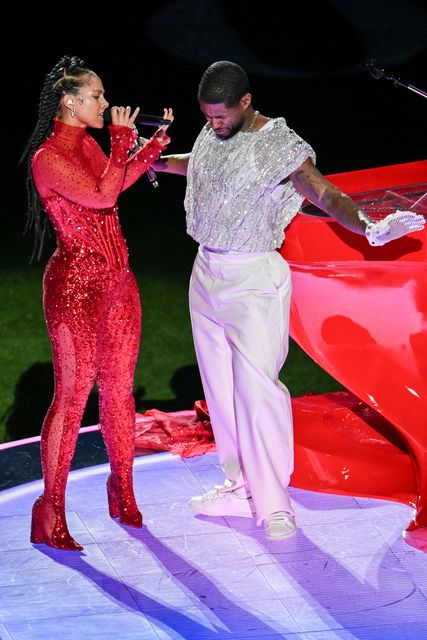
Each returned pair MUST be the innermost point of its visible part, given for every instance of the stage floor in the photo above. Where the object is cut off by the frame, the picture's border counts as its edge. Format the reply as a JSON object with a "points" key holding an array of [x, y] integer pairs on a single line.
{"points": [[346, 574]]}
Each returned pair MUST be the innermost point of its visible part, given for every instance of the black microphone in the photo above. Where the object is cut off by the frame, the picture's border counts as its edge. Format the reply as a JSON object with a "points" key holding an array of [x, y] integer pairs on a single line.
{"points": [[374, 70], [141, 118]]}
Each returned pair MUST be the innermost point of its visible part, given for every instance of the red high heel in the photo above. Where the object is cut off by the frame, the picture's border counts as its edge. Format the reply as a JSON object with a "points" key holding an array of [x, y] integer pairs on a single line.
{"points": [[122, 504], [59, 537]]}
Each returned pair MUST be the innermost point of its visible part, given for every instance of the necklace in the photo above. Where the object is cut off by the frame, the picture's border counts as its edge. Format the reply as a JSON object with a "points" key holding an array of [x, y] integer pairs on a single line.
{"points": [[256, 114]]}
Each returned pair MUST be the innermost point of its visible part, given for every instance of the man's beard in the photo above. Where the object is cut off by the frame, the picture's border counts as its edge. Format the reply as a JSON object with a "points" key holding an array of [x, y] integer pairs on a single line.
{"points": [[237, 127]]}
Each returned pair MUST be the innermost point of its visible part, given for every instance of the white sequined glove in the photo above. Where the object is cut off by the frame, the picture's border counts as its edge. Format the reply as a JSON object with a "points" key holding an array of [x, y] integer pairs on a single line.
{"points": [[394, 226]]}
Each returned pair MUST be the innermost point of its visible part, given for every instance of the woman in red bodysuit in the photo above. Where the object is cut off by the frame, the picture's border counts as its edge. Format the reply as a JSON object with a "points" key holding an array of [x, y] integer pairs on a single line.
{"points": [[91, 300]]}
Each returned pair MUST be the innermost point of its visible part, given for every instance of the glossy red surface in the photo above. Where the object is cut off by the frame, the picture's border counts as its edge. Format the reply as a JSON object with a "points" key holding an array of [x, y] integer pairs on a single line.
{"points": [[361, 313]]}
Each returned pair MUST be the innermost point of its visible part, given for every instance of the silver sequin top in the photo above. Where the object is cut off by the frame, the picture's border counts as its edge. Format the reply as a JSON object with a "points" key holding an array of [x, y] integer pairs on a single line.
{"points": [[233, 199]]}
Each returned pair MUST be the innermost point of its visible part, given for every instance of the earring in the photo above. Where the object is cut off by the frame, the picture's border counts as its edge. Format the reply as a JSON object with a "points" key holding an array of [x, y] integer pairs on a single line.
{"points": [[73, 113]]}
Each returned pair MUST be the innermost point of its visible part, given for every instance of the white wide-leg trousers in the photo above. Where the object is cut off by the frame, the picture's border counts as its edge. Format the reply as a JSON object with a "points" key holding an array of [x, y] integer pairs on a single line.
{"points": [[239, 305]]}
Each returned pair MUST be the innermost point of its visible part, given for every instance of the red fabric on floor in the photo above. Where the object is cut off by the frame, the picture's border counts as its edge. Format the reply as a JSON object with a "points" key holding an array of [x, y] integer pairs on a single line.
{"points": [[184, 433]]}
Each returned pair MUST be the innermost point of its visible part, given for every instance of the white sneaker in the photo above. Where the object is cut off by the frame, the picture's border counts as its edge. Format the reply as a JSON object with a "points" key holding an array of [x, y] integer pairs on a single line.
{"points": [[280, 525], [222, 503]]}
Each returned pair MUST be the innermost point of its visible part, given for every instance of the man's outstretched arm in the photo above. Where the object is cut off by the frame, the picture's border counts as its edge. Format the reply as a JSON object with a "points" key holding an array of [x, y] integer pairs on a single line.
{"points": [[172, 164], [310, 183]]}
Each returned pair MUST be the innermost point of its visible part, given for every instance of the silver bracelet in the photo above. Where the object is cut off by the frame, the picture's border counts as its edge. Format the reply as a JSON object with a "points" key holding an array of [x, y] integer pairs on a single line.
{"points": [[363, 217]]}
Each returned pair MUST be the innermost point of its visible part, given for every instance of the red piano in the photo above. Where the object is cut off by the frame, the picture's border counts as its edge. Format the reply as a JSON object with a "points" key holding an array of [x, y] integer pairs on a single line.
{"points": [[361, 313]]}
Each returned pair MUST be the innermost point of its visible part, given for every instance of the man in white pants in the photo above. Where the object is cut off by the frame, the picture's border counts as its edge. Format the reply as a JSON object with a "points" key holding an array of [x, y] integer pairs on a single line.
{"points": [[247, 177]]}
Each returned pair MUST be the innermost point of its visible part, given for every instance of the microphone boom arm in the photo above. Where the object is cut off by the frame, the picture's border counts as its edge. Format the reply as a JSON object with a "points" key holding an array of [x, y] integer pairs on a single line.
{"points": [[377, 73], [411, 87]]}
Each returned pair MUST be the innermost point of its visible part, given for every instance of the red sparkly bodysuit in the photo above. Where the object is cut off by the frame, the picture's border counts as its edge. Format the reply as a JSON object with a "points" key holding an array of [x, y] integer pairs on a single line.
{"points": [[92, 311]]}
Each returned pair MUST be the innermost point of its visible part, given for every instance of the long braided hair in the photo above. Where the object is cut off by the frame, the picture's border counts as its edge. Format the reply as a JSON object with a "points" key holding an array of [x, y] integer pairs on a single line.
{"points": [[67, 76]]}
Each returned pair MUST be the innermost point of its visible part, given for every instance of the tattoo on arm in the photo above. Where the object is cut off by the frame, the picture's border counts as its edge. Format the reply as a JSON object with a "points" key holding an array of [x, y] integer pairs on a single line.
{"points": [[310, 183]]}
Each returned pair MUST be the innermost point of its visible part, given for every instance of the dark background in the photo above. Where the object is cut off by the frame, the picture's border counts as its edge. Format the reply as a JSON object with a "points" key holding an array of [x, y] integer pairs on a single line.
{"points": [[308, 66]]}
